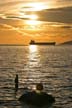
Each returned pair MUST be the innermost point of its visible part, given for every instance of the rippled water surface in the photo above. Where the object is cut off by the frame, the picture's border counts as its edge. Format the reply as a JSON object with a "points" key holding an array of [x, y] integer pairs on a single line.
{"points": [[51, 65]]}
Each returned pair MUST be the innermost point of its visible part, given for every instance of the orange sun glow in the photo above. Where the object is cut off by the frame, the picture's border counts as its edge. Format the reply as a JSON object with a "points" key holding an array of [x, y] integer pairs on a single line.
{"points": [[36, 6]]}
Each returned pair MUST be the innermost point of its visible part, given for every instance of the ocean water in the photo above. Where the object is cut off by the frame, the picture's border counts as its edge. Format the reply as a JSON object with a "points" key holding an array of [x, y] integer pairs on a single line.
{"points": [[51, 65]]}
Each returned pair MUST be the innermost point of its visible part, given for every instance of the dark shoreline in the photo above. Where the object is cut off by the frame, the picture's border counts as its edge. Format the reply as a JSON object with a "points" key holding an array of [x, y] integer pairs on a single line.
{"points": [[12, 45]]}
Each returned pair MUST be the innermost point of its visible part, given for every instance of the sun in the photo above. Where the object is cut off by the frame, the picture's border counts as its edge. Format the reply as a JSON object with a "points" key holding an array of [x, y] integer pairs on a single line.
{"points": [[30, 11], [33, 17], [32, 22], [36, 6]]}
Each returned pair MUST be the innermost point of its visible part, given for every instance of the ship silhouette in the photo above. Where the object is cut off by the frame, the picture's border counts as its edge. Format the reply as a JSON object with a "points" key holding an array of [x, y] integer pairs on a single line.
{"points": [[32, 42]]}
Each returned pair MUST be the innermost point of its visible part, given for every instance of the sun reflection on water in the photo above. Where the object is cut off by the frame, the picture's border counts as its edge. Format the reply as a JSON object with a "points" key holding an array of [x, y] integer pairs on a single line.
{"points": [[32, 48], [33, 55]]}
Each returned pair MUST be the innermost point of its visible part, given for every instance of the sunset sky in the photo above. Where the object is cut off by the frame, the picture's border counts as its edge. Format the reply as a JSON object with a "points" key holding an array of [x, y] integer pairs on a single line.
{"points": [[40, 20]]}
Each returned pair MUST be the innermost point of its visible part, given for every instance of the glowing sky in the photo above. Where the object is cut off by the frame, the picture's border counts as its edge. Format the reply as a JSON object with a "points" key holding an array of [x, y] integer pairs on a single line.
{"points": [[41, 20]]}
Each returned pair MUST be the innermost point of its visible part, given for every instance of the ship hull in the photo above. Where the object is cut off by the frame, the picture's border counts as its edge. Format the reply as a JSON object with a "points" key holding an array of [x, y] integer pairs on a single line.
{"points": [[41, 43]]}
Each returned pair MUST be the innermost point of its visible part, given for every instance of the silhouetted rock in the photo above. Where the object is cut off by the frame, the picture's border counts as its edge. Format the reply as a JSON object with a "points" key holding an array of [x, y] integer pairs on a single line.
{"points": [[37, 99]]}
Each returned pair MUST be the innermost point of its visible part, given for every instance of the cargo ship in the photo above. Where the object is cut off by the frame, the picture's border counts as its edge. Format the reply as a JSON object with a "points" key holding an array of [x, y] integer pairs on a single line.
{"points": [[32, 42]]}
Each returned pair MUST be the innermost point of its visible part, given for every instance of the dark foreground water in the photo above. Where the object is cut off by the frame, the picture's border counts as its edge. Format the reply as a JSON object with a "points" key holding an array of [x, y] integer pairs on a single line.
{"points": [[51, 65]]}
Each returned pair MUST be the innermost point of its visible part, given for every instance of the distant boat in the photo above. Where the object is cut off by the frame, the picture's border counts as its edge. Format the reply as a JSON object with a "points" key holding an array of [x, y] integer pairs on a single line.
{"points": [[32, 42]]}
